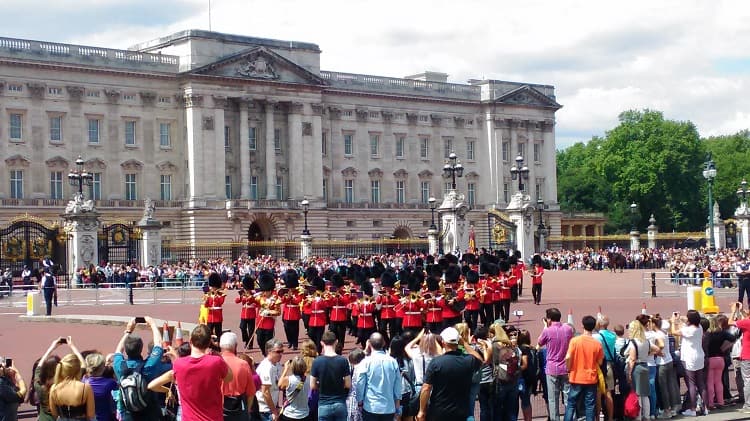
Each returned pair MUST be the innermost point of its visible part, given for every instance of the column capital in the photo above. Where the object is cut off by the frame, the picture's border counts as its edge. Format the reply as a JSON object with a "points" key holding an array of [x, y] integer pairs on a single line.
{"points": [[37, 90], [296, 107], [113, 95], [191, 100], [148, 97], [243, 101], [220, 102], [2, 86], [387, 115], [459, 121], [335, 112], [317, 108], [75, 92]]}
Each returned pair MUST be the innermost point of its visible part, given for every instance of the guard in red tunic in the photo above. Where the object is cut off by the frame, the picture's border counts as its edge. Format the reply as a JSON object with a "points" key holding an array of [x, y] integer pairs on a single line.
{"points": [[521, 267], [536, 278], [269, 309], [433, 306], [339, 317], [512, 281], [453, 305], [318, 317], [386, 302], [486, 293], [365, 309], [249, 310], [290, 307], [470, 294], [213, 300], [413, 308], [504, 291]]}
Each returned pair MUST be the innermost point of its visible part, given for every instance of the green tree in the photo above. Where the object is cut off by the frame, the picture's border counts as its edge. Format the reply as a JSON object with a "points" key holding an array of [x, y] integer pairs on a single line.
{"points": [[731, 155]]}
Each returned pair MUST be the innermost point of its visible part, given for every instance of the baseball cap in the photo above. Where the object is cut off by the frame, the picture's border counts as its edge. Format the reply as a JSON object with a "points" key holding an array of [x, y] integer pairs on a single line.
{"points": [[449, 335]]}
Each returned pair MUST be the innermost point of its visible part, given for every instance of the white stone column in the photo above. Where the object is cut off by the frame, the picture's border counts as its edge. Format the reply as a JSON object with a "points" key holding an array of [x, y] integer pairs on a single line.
{"points": [[452, 213], [635, 240], [196, 162], [315, 160], [306, 246], [150, 245], [742, 214], [217, 166], [521, 213], [432, 239], [652, 231], [270, 152], [244, 149], [83, 250], [295, 153]]}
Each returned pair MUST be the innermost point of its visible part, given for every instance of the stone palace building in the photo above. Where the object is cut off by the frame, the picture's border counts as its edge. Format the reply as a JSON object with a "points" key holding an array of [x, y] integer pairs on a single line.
{"points": [[227, 134]]}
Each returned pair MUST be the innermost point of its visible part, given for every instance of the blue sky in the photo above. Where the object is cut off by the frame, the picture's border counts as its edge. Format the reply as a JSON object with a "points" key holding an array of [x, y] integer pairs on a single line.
{"points": [[687, 58]]}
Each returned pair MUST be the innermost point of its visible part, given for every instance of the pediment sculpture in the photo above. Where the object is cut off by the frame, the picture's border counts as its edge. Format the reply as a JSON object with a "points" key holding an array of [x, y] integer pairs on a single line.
{"points": [[258, 68]]}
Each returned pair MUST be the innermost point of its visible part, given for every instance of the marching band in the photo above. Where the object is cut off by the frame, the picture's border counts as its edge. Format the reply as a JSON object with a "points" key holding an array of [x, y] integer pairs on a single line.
{"points": [[362, 298]]}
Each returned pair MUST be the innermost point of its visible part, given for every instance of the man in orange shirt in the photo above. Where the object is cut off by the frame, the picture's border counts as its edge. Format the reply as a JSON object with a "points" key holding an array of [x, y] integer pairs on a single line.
{"points": [[239, 393], [584, 357]]}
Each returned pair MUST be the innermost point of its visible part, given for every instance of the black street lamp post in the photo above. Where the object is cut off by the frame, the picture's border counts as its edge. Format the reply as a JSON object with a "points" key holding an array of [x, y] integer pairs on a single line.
{"points": [[433, 206], [541, 229], [79, 177], [743, 192], [453, 169], [709, 173], [633, 216], [305, 209], [519, 171]]}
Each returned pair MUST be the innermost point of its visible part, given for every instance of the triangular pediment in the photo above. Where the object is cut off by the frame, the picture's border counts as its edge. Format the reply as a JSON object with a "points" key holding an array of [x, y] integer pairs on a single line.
{"points": [[527, 96], [259, 63]]}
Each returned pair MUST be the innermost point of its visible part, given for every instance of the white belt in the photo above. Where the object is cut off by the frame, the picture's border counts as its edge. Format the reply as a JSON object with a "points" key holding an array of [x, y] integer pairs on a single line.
{"points": [[434, 309], [413, 312], [388, 305], [365, 314], [338, 306], [249, 306], [318, 311], [214, 308]]}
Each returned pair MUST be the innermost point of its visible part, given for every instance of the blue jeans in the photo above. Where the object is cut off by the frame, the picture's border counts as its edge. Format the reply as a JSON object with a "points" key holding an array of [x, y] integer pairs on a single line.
{"points": [[266, 416], [505, 402], [332, 411], [473, 392], [652, 389], [589, 399]]}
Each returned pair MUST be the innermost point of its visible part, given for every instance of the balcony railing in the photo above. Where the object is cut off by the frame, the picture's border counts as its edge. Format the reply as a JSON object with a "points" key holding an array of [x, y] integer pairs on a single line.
{"points": [[352, 81]]}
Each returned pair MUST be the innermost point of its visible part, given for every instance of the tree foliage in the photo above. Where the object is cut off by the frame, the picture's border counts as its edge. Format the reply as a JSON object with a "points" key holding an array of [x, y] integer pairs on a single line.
{"points": [[653, 162]]}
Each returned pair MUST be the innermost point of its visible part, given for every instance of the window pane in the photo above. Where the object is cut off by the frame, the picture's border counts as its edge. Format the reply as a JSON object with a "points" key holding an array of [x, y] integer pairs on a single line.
{"points": [[130, 187], [55, 185], [227, 137], [16, 121], [325, 189], [55, 129], [166, 187], [374, 144], [470, 150], [471, 188], [447, 147], [16, 184], [93, 131], [400, 193], [425, 186], [95, 189], [254, 187], [164, 140], [423, 147], [324, 144], [251, 138], [400, 147], [348, 139], [280, 188], [130, 132], [506, 146], [375, 187], [277, 139], [349, 191]]}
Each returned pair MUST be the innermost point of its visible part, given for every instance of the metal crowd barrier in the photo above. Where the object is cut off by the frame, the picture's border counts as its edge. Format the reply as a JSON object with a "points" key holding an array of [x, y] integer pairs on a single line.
{"points": [[668, 284], [168, 291]]}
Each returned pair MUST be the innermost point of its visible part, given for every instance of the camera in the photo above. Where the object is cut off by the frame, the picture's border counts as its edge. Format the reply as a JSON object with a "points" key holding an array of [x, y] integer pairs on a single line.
{"points": [[63, 341], [140, 319]]}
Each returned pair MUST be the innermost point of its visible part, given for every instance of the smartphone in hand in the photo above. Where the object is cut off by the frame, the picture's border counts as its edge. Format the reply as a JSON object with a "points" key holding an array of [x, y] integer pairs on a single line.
{"points": [[140, 319]]}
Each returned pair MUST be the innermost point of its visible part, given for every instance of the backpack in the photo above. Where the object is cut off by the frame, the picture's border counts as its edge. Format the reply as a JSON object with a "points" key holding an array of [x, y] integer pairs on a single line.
{"points": [[134, 388], [532, 373], [506, 363]]}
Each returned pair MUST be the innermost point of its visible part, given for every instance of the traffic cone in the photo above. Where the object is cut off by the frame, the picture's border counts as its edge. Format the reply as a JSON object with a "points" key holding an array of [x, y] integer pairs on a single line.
{"points": [[643, 309], [570, 317], [599, 313], [178, 335], [165, 341]]}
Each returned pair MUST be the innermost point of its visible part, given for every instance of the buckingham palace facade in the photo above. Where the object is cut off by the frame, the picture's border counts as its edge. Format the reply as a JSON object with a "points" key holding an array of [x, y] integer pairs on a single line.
{"points": [[227, 134]]}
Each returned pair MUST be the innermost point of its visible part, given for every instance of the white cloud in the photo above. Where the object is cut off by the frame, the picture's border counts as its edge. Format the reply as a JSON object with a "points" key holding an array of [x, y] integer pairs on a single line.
{"points": [[602, 57]]}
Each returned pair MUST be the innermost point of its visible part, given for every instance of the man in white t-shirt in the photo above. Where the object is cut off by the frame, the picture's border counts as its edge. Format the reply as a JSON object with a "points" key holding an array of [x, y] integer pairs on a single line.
{"points": [[269, 370]]}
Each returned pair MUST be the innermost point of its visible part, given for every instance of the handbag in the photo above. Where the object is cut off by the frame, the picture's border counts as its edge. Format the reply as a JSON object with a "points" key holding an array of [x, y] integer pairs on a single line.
{"points": [[411, 407], [632, 405]]}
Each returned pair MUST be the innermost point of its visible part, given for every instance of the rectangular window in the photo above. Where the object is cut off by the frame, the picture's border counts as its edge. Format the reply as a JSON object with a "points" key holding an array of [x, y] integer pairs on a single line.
{"points": [[251, 139], [254, 187], [400, 143], [522, 150], [506, 151], [374, 145], [375, 191], [506, 192], [94, 130], [56, 185], [400, 191], [448, 187], [227, 138], [15, 88], [471, 188], [325, 189], [164, 138], [277, 139], [55, 129], [92, 94], [95, 189], [280, 188], [470, 150], [16, 126], [425, 188], [349, 191], [538, 189], [166, 187], [54, 91], [348, 144], [424, 147], [537, 152], [130, 133], [16, 184], [131, 192], [228, 186], [447, 147], [324, 144]]}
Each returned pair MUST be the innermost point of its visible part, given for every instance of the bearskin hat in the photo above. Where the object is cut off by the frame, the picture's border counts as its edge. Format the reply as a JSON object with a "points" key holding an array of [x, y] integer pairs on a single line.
{"points": [[452, 274], [329, 273], [388, 279], [434, 270], [266, 281], [366, 288], [465, 269], [430, 259], [417, 277], [248, 282], [344, 271], [433, 284], [469, 259], [311, 272], [443, 263], [536, 260], [517, 254], [419, 262], [504, 266], [451, 258], [337, 280], [376, 271], [359, 277], [214, 280], [318, 283], [472, 277], [355, 267], [502, 254], [492, 269], [512, 260], [291, 278]]}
